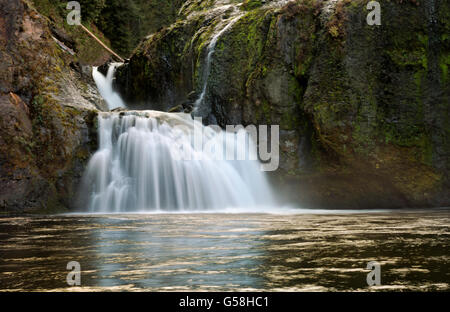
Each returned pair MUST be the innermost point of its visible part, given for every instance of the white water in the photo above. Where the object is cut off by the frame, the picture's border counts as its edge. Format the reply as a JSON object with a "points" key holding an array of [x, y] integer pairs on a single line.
{"points": [[220, 9], [105, 87], [147, 163], [138, 167], [210, 50]]}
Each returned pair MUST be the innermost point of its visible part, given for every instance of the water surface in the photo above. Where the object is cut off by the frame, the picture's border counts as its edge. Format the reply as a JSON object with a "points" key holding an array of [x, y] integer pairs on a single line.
{"points": [[227, 252]]}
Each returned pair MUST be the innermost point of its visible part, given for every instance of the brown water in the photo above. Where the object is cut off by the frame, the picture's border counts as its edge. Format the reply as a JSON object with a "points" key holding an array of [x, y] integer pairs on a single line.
{"points": [[227, 252]]}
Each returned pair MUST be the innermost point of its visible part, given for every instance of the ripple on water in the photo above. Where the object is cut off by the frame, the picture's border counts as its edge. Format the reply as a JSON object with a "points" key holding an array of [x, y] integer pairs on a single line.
{"points": [[227, 252]]}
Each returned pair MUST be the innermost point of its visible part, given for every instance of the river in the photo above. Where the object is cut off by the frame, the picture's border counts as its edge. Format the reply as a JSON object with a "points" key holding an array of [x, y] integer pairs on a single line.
{"points": [[300, 251]]}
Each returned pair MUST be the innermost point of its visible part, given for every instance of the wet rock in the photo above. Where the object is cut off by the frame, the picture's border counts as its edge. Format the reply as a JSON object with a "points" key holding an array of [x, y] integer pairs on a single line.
{"points": [[104, 68], [48, 106], [354, 102]]}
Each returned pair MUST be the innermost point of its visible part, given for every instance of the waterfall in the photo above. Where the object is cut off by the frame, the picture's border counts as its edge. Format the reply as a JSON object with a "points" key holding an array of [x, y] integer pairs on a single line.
{"points": [[105, 86], [210, 51], [223, 27], [155, 161], [138, 166]]}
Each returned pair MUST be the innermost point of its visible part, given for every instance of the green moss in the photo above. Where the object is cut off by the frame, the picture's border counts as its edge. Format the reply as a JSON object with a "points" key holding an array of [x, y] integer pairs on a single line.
{"points": [[365, 128], [408, 136], [267, 111], [251, 4], [37, 110], [87, 49], [197, 5], [444, 64], [406, 57], [426, 151], [289, 121]]}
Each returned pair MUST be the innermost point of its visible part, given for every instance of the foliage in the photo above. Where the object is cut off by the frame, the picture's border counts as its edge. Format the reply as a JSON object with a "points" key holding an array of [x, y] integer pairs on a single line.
{"points": [[251, 4], [120, 22], [124, 23]]}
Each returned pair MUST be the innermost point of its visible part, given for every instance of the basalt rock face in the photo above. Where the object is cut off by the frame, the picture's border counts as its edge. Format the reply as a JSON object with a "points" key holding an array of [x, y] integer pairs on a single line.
{"points": [[363, 110], [48, 106]]}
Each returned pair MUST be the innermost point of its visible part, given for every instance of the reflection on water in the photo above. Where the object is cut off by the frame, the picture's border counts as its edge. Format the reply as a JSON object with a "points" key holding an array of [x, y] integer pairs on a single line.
{"points": [[218, 252]]}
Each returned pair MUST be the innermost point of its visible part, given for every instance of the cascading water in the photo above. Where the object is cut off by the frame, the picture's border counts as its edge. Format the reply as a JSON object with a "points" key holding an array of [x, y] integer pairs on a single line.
{"points": [[149, 161], [235, 13], [210, 51], [105, 86], [154, 161]]}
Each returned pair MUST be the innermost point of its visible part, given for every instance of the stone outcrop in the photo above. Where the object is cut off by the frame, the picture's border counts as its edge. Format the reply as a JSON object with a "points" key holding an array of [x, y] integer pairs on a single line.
{"points": [[48, 105], [363, 109]]}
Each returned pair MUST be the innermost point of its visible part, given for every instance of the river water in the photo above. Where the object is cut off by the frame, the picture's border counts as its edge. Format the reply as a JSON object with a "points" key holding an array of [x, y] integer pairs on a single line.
{"points": [[305, 251]]}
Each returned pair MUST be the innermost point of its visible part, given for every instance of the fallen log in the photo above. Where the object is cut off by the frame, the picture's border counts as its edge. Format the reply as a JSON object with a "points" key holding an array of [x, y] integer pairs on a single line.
{"points": [[102, 44]]}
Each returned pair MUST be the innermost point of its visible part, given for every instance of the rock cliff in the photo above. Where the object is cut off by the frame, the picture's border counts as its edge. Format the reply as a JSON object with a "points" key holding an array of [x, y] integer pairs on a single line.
{"points": [[47, 107], [364, 110]]}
